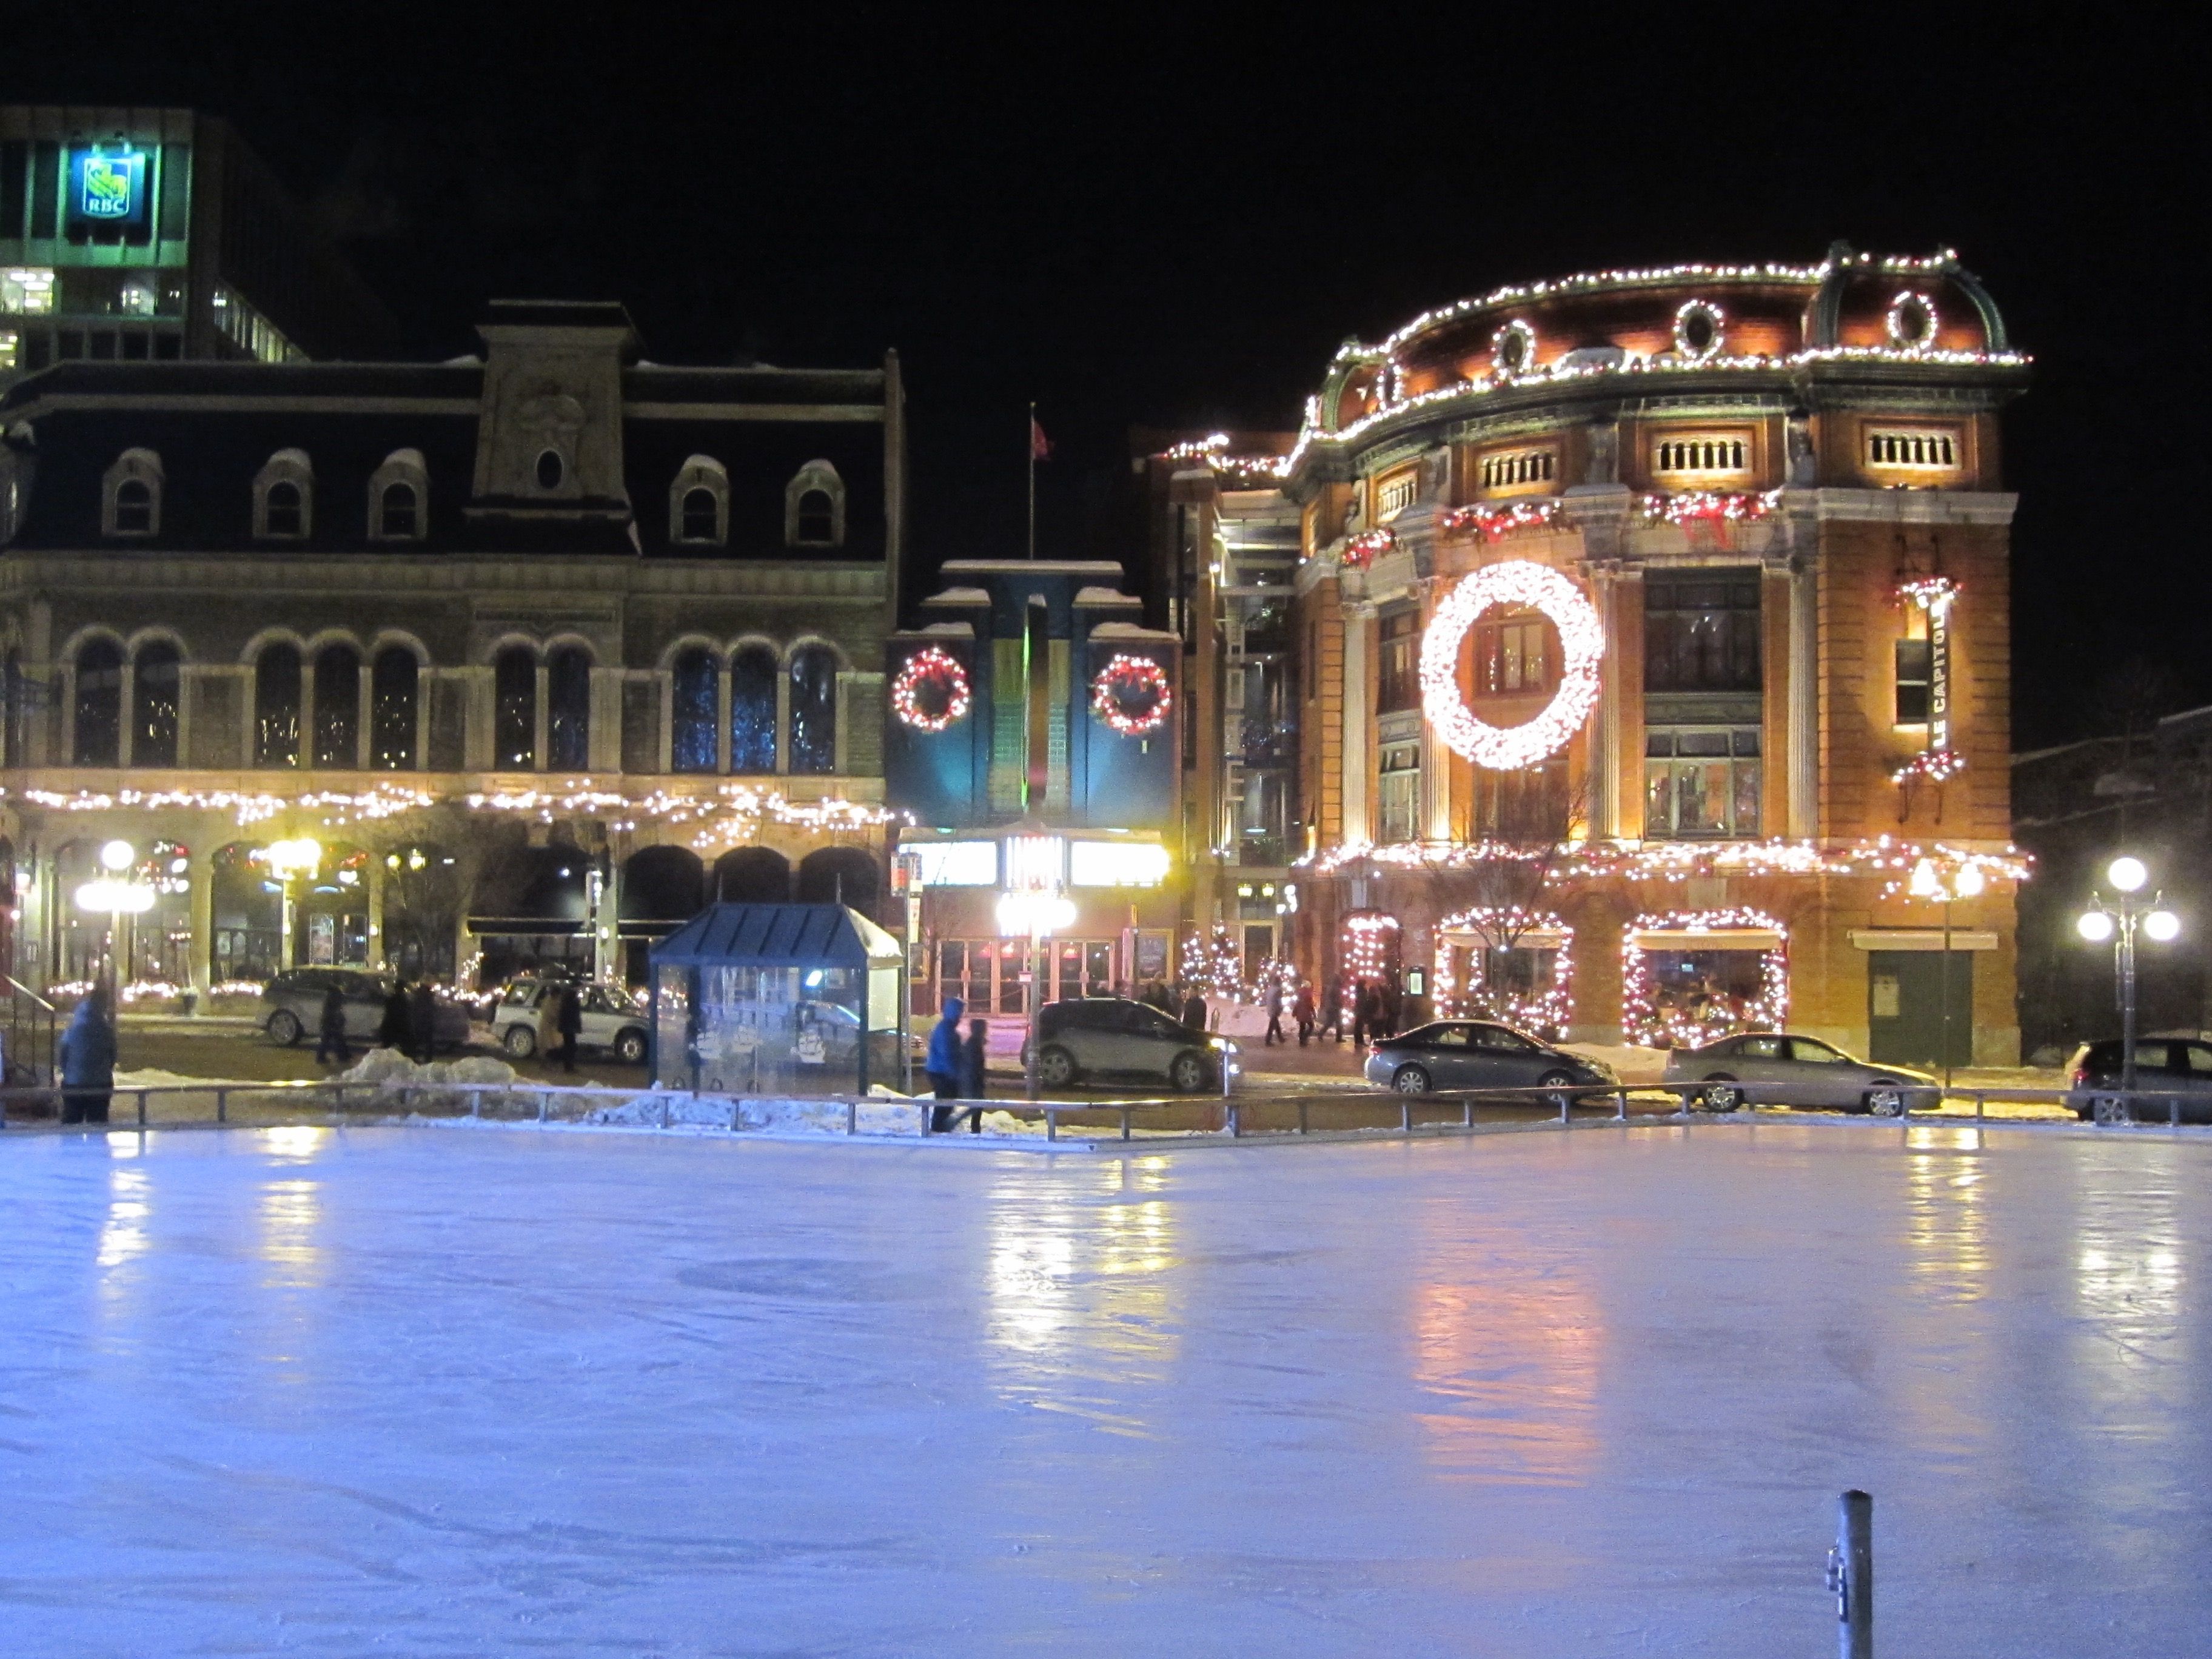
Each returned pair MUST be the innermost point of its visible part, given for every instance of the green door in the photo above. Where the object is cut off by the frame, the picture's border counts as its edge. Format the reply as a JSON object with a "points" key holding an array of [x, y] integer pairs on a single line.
{"points": [[1905, 1004]]}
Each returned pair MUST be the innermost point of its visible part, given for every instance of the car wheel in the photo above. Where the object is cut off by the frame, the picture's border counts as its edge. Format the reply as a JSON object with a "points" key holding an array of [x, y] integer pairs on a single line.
{"points": [[1886, 1100], [630, 1047], [1056, 1067], [520, 1041], [1187, 1073], [284, 1028], [1410, 1080], [1726, 1098], [1557, 1080], [2112, 1108]]}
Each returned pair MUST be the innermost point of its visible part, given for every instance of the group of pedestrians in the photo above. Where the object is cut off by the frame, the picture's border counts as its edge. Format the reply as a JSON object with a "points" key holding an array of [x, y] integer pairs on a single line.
{"points": [[955, 1065], [409, 1026], [1304, 1013]]}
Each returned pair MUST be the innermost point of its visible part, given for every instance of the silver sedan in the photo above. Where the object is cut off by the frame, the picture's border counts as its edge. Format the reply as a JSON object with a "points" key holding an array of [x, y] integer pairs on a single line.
{"points": [[1772, 1068]]}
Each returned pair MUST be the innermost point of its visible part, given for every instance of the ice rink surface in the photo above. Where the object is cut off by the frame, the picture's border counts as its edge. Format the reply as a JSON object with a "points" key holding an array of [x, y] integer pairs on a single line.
{"points": [[423, 1392]]}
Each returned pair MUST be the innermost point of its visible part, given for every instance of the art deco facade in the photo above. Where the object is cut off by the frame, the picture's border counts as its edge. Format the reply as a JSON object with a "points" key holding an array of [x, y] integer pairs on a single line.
{"points": [[540, 648], [1651, 632]]}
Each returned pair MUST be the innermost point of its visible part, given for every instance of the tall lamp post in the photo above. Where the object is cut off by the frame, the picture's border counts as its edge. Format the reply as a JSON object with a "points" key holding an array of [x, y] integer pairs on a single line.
{"points": [[289, 860], [2118, 923], [1965, 883], [117, 897]]}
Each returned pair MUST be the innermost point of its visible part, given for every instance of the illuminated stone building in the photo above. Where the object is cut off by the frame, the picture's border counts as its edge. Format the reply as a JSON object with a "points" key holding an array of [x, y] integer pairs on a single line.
{"points": [[541, 648], [1652, 633], [151, 235]]}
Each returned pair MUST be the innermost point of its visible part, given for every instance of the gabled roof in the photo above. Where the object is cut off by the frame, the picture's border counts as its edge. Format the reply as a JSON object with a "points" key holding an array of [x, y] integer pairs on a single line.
{"points": [[778, 936]]}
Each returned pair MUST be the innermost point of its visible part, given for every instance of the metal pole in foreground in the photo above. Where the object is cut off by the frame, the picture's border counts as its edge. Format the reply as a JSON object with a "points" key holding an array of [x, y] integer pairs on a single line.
{"points": [[1850, 1574]]}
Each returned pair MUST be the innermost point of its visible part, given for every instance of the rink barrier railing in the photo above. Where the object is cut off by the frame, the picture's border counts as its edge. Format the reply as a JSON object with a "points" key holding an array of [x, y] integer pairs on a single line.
{"points": [[1234, 1118]]}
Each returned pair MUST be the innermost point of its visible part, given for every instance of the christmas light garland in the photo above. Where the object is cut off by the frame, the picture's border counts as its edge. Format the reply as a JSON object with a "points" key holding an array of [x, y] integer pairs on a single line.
{"points": [[1641, 1019], [1582, 642], [1938, 762], [1547, 1010], [1131, 695], [1498, 519], [1362, 550], [1692, 505], [1677, 861], [1364, 955], [931, 692]]}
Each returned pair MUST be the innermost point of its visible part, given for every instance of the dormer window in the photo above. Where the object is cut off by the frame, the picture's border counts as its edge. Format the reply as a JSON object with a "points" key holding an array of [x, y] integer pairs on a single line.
{"points": [[814, 508], [398, 498], [551, 469], [699, 503], [131, 500], [284, 497]]}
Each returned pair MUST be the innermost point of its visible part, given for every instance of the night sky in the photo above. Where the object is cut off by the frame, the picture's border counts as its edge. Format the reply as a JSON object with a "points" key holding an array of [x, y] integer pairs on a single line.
{"points": [[1158, 220]]}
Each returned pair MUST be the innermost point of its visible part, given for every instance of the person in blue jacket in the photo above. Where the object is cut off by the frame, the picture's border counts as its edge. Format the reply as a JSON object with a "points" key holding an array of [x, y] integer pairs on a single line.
{"points": [[88, 1062], [943, 1064]]}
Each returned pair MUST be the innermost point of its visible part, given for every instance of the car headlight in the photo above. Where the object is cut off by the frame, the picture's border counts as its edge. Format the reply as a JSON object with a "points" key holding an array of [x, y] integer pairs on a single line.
{"points": [[1223, 1045]]}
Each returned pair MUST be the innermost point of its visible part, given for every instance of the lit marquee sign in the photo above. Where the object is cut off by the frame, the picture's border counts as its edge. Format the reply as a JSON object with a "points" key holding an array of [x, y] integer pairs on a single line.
{"points": [[107, 189]]}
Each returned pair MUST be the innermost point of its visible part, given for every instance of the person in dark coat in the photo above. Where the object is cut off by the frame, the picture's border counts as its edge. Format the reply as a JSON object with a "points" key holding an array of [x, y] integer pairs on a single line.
{"points": [[87, 1057], [568, 1021], [1366, 1013], [974, 1055], [1275, 1012], [331, 1033], [1301, 1010], [424, 1022], [396, 1032], [1194, 1011], [941, 1064], [1332, 1008]]}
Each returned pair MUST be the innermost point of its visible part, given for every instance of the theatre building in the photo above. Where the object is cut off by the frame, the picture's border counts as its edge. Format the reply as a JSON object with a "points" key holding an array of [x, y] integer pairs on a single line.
{"points": [[455, 667], [1653, 657]]}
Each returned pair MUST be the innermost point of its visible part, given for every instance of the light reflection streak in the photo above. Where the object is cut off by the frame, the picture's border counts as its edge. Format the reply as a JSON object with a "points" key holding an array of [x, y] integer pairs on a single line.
{"points": [[1945, 1222]]}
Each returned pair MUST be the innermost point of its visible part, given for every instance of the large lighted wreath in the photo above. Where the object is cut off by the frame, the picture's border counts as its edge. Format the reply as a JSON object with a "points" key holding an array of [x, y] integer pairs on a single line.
{"points": [[1582, 642], [1131, 695], [931, 692]]}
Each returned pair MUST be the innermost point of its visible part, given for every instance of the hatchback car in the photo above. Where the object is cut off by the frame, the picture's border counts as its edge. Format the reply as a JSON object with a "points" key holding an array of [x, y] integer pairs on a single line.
{"points": [[609, 1023], [1474, 1054], [1113, 1036], [294, 1005], [2164, 1068], [1772, 1068]]}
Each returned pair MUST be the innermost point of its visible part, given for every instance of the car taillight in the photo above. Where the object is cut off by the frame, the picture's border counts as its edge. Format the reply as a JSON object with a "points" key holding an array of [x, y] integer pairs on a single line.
{"points": [[2081, 1076]]}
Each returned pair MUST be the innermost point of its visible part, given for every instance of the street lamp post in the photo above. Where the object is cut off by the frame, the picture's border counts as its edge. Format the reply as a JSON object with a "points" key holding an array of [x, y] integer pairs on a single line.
{"points": [[119, 897], [288, 861], [1966, 882], [2118, 923]]}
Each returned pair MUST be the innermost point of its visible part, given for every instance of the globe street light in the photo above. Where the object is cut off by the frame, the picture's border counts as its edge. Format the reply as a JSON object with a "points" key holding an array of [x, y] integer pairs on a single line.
{"points": [[288, 861], [1966, 882], [117, 898], [2102, 921]]}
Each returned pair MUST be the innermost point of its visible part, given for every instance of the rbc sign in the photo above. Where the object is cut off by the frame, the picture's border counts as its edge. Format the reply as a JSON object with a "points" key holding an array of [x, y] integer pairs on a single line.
{"points": [[107, 190]]}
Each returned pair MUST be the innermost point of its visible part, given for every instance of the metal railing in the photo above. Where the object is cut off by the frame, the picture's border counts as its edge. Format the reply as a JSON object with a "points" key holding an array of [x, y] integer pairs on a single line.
{"points": [[31, 1026]]}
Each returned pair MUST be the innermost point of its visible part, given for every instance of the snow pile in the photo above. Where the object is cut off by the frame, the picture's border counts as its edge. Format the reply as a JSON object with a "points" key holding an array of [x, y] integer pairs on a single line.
{"points": [[891, 1116], [388, 1068], [1632, 1065]]}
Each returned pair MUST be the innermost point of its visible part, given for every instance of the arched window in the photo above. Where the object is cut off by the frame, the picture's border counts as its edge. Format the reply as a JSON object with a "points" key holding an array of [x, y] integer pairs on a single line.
{"points": [[551, 469], [752, 710], [814, 508], [155, 685], [691, 710], [130, 502], [277, 707], [814, 709], [400, 498], [338, 707], [701, 515], [699, 502], [284, 497], [391, 690], [514, 721], [569, 709], [99, 704]]}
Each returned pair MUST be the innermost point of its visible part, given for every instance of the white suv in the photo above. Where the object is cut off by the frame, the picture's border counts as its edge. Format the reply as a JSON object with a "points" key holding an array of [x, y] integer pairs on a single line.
{"points": [[610, 1021]]}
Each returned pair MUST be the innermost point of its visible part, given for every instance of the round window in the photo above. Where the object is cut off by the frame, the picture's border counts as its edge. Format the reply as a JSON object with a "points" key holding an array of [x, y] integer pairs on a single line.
{"points": [[1514, 350], [1911, 322], [1698, 330], [549, 469]]}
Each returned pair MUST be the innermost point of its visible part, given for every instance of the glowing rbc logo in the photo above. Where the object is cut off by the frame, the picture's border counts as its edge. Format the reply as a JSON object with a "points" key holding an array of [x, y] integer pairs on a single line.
{"points": [[108, 187]]}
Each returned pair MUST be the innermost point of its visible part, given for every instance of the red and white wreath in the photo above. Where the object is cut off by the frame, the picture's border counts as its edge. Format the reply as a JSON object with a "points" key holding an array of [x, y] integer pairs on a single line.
{"points": [[931, 692], [1131, 695]]}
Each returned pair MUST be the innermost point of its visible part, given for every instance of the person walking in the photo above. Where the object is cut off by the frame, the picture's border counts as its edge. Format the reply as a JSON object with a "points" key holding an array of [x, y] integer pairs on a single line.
{"points": [[424, 1022], [941, 1064], [1332, 1008], [330, 1031], [1367, 1012], [568, 1021], [1275, 1012], [1194, 1011], [396, 1032], [87, 1057], [1301, 1012], [974, 1055]]}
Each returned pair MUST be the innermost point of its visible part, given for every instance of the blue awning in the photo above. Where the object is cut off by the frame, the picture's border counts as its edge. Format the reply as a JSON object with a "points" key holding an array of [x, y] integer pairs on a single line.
{"points": [[778, 936]]}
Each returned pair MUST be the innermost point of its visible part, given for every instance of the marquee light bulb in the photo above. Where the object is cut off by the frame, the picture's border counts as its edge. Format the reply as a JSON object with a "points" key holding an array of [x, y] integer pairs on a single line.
{"points": [[117, 855], [2128, 874], [2163, 926], [2094, 926]]}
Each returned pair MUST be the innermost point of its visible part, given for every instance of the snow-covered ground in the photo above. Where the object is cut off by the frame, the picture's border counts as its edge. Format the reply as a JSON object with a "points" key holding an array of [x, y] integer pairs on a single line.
{"points": [[403, 1392]]}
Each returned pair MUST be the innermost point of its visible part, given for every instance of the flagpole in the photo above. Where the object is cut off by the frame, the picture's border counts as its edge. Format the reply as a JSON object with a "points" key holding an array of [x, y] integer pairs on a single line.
{"points": [[1030, 438]]}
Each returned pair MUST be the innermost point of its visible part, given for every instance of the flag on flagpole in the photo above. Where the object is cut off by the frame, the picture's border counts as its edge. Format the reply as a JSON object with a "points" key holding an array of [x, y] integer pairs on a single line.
{"points": [[1040, 446]]}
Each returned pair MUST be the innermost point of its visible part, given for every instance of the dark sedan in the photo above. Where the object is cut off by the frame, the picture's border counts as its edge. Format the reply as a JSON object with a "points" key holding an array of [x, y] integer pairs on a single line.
{"points": [[1474, 1053]]}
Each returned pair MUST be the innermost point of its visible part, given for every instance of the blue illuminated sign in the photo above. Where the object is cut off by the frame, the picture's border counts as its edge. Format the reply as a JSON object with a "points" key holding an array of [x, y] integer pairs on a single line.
{"points": [[107, 190]]}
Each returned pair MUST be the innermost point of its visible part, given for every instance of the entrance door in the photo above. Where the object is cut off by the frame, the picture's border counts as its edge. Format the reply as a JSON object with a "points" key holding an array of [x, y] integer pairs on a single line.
{"points": [[1905, 1007]]}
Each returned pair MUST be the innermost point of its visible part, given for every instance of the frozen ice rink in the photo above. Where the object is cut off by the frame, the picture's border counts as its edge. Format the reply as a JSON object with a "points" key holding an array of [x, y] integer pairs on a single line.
{"points": [[426, 1392]]}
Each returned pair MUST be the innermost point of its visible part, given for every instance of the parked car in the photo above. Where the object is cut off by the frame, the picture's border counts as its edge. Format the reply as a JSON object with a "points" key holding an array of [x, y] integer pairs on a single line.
{"points": [[293, 1001], [2165, 1066], [1475, 1054], [1773, 1068], [1113, 1036], [610, 1022]]}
